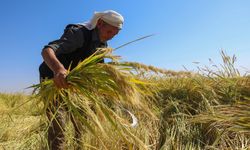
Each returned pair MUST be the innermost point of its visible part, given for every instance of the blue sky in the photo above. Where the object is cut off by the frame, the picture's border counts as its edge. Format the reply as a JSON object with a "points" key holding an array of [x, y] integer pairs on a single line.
{"points": [[187, 31]]}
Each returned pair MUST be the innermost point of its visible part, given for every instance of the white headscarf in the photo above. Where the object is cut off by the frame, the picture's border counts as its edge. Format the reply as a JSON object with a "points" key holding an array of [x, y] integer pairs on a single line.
{"points": [[111, 17]]}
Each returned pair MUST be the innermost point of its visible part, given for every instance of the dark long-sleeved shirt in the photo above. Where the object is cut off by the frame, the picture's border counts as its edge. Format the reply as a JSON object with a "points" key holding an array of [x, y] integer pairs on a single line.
{"points": [[72, 39], [76, 44]]}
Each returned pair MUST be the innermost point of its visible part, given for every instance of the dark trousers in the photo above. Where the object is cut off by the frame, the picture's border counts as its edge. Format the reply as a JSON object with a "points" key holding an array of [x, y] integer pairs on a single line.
{"points": [[57, 114], [58, 117]]}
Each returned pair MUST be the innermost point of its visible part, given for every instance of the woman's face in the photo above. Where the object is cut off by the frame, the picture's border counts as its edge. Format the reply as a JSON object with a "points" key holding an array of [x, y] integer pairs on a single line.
{"points": [[106, 31]]}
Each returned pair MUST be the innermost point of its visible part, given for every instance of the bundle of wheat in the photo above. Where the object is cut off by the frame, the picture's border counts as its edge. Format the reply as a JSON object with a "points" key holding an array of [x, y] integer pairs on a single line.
{"points": [[100, 91]]}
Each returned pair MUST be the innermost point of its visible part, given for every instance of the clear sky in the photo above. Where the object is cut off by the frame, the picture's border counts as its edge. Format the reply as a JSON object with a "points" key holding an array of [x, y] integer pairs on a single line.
{"points": [[187, 31]]}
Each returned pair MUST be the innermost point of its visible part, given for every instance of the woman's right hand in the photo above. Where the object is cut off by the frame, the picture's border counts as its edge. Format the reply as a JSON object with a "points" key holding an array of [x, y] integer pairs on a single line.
{"points": [[60, 78]]}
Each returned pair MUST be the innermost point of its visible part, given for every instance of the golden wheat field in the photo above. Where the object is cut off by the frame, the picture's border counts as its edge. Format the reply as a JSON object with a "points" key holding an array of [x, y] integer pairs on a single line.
{"points": [[208, 109]]}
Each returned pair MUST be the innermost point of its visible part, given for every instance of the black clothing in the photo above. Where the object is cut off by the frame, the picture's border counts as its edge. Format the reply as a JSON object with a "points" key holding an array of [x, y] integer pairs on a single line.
{"points": [[76, 44]]}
